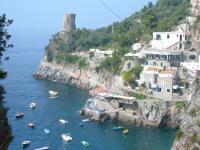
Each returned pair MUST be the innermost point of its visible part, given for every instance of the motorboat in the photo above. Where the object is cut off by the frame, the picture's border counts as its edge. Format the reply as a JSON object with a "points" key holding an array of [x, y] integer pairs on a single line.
{"points": [[125, 131], [87, 120], [31, 125], [84, 143], [32, 105], [19, 115], [63, 121], [53, 92], [46, 131], [53, 97], [118, 128], [25, 143], [66, 137], [81, 124], [43, 148]]}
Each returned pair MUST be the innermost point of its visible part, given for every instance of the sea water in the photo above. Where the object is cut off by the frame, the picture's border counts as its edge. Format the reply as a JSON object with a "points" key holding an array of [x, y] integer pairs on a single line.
{"points": [[22, 89]]}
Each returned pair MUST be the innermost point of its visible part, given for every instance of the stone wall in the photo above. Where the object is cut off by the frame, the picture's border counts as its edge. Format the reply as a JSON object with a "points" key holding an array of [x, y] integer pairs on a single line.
{"points": [[69, 22]]}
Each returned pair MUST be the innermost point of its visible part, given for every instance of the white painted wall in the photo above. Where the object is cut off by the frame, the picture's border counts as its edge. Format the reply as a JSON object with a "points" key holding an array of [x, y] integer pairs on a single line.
{"points": [[167, 39]]}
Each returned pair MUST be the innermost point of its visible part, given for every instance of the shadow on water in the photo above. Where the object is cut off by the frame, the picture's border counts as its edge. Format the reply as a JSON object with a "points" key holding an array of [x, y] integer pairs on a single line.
{"points": [[5, 130]]}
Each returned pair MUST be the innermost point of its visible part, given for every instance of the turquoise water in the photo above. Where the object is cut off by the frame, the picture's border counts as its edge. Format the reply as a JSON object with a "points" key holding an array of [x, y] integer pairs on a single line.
{"points": [[22, 89]]}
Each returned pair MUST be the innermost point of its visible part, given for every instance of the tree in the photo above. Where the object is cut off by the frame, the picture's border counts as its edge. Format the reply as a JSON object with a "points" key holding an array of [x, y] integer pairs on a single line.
{"points": [[4, 37]]}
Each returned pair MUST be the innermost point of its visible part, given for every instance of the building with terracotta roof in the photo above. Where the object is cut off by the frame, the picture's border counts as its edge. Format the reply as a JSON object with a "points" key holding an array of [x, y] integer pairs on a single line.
{"points": [[161, 82]]}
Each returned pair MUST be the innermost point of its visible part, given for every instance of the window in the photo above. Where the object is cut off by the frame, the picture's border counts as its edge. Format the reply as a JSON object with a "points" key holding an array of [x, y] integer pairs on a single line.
{"points": [[168, 90], [180, 45], [161, 64], [181, 37], [150, 87], [154, 63], [129, 65], [168, 36], [159, 89], [192, 57], [158, 37]]}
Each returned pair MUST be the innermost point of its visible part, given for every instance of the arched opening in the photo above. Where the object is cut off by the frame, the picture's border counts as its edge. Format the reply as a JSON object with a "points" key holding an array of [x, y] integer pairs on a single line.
{"points": [[192, 57], [158, 37]]}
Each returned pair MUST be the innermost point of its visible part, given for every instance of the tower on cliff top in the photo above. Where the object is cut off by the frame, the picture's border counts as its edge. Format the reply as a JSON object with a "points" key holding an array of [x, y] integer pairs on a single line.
{"points": [[69, 22]]}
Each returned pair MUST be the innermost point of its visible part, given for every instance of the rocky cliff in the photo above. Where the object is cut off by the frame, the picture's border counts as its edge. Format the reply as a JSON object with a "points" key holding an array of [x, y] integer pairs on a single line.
{"points": [[72, 75], [138, 112], [5, 130], [184, 115]]}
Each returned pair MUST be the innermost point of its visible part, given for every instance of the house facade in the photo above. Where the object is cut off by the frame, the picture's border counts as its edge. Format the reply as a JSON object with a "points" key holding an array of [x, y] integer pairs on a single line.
{"points": [[168, 40], [192, 60], [162, 58], [161, 82], [101, 53]]}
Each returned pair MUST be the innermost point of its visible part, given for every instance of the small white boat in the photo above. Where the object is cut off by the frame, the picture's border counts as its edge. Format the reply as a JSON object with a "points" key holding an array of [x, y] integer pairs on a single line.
{"points": [[31, 125], [43, 148], [19, 115], [63, 121], [46, 131], [53, 97], [32, 105], [53, 92], [25, 143], [87, 120], [66, 137]]}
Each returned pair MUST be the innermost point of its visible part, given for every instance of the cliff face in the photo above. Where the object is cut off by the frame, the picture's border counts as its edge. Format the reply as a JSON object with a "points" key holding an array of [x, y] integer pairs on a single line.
{"points": [[145, 113], [73, 75], [188, 137], [182, 115], [5, 130]]}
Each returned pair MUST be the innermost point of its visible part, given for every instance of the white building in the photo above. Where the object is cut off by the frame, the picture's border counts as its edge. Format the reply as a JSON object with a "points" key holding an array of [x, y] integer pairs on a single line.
{"points": [[136, 46], [168, 40], [192, 61], [101, 53]]}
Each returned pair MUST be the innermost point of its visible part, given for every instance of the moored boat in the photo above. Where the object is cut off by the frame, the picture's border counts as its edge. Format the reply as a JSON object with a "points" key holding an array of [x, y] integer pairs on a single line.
{"points": [[19, 115], [84, 143], [25, 143], [66, 137], [81, 124], [32, 105], [43, 148], [87, 120], [53, 92], [31, 125], [125, 131], [46, 131], [118, 128], [53, 97], [63, 121]]}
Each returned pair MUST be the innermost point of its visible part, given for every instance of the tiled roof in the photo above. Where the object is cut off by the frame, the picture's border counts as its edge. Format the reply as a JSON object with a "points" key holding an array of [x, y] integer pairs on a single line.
{"points": [[167, 71]]}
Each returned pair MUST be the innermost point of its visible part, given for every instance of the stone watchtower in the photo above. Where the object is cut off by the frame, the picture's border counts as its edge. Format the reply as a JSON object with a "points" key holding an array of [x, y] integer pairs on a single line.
{"points": [[69, 22]]}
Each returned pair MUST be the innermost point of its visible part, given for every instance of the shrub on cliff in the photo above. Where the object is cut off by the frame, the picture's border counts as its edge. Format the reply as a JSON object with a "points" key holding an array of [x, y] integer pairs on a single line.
{"points": [[111, 64], [132, 75], [65, 58], [179, 133]]}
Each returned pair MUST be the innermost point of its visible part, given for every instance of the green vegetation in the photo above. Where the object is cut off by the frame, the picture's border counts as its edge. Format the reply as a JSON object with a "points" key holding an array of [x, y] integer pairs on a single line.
{"points": [[112, 64], [179, 134], [194, 138], [4, 37], [136, 95], [198, 123], [132, 75], [120, 35], [193, 112], [181, 104], [71, 59]]}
